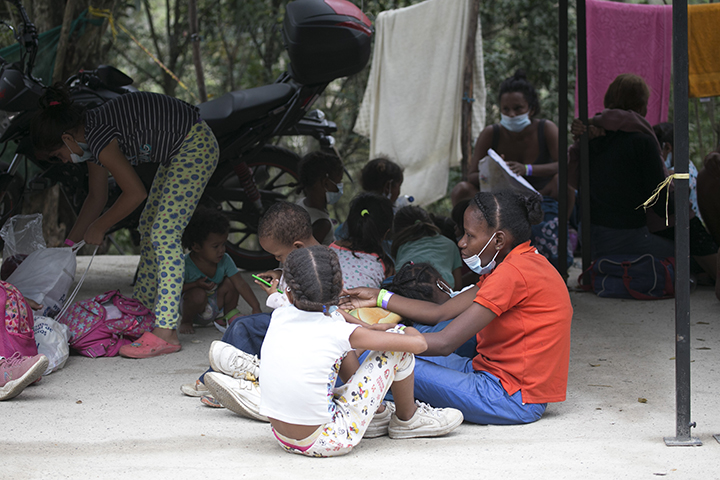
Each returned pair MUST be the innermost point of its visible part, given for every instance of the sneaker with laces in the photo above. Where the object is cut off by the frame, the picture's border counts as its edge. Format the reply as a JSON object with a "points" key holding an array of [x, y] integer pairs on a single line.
{"points": [[426, 422], [17, 372], [236, 394], [197, 389], [380, 422], [232, 361]]}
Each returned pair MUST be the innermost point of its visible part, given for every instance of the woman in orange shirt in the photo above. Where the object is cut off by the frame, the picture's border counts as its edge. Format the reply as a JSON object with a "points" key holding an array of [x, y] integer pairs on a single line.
{"points": [[519, 311]]}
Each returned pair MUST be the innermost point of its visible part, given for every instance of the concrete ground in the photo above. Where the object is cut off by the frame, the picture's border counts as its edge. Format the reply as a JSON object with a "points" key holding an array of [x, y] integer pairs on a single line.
{"points": [[120, 418]]}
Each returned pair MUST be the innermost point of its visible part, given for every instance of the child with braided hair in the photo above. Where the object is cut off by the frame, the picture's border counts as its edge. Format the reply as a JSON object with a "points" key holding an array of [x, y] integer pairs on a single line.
{"points": [[309, 416]]}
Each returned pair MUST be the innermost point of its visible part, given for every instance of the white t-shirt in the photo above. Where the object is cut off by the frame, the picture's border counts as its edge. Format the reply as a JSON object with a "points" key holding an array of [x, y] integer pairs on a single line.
{"points": [[301, 357]]}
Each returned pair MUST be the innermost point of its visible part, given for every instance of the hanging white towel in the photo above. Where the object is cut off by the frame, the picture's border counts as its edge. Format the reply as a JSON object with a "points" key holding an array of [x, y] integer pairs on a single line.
{"points": [[411, 110]]}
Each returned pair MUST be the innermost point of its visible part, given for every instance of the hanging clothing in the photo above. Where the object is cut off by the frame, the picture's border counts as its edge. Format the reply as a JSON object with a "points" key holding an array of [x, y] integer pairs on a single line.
{"points": [[411, 110], [703, 46], [629, 38]]}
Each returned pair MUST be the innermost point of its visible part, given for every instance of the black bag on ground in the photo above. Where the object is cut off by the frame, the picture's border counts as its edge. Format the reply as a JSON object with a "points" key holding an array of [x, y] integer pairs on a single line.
{"points": [[642, 277]]}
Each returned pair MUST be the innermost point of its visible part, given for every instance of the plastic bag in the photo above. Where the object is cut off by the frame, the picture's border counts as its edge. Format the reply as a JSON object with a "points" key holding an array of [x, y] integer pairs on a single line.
{"points": [[46, 276], [52, 339], [22, 235]]}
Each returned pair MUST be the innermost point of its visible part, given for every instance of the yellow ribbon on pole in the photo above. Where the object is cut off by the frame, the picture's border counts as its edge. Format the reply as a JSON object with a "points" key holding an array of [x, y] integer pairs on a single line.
{"points": [[106, 13], [656, 194]]}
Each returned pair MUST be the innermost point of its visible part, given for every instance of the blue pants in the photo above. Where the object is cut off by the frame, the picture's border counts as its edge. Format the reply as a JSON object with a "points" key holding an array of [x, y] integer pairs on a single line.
{"points": [[246, 333], [630, 241], [467, 349], [451, 382], [545, 235]]}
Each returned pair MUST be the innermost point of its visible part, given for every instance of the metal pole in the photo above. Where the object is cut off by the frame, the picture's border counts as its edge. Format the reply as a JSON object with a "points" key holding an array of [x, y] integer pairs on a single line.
{"points": [[562, 136], [682, 235], [584, 145]]}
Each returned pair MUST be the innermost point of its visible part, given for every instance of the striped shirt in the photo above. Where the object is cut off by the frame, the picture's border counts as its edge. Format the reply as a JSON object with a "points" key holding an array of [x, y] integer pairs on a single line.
{"points": [[149, 127]]}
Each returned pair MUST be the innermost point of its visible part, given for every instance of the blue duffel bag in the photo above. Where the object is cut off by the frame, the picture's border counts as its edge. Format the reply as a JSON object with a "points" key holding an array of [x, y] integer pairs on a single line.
{"points": [[642, 277]]}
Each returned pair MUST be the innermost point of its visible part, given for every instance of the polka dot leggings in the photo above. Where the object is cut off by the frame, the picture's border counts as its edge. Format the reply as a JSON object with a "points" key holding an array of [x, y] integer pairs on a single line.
{"points": [[175, 192]]}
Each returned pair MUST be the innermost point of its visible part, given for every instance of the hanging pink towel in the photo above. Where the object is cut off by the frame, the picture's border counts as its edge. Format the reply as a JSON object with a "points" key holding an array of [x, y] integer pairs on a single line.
{"points": [[703, 45], [629, 38]]}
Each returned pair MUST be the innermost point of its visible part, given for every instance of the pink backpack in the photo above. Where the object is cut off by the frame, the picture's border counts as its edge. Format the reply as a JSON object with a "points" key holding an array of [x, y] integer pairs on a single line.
{"points": [[97, 331], [16, 334]]}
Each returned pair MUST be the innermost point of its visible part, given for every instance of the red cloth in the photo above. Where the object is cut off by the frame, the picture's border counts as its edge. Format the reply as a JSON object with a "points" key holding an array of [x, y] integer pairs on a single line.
{"points": [[527, 346], [629, 38]]}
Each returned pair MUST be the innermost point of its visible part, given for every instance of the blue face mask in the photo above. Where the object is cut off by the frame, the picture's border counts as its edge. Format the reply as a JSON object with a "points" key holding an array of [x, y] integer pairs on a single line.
{"points": [[516, 123], [87, 154], [333, 197], [475, 264]]}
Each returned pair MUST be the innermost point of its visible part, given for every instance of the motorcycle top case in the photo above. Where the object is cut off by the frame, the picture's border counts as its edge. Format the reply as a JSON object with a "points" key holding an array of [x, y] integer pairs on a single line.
{"points": [[326, 39]]}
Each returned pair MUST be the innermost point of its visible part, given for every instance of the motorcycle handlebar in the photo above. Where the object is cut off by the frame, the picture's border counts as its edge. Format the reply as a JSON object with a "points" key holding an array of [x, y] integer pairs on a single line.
{"points": [[23, 14]]}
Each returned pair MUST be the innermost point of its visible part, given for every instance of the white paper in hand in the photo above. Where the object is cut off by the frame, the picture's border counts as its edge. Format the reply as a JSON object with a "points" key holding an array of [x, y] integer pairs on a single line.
{"points": [[495, 175]]}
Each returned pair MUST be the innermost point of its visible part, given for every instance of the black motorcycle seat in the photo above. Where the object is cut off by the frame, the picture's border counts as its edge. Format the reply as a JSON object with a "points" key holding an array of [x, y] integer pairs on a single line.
{"points": [[228, 112]]}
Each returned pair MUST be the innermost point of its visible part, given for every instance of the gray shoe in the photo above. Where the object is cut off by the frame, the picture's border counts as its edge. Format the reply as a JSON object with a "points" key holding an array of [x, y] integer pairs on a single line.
{"points": [[426, 422], [197, 389], [236, 394], [380, 422], [232, 361]]}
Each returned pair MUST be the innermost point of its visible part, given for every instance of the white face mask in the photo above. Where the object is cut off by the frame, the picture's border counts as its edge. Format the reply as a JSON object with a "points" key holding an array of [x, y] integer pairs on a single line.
{"points": [[668, 160], [475, 264], [516, 123], [333, 197], [87, 154]]}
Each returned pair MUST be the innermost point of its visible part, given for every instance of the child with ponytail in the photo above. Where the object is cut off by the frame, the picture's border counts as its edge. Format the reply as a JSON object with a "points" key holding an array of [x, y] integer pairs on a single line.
{"points": [[519, 312], [363, 260], [131, 129], [297, 395]]}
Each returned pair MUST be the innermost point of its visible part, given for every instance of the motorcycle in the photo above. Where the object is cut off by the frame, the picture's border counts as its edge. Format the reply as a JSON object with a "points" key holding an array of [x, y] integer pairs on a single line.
{"points": [[325, 41]]}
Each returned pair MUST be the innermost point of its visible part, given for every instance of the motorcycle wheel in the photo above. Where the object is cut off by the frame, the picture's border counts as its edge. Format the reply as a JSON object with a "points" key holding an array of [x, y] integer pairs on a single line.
{"points": [[274, 171]]}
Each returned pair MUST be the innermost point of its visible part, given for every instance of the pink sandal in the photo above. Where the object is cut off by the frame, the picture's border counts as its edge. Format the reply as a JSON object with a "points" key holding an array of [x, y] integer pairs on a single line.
{"points": [[148, 346]]}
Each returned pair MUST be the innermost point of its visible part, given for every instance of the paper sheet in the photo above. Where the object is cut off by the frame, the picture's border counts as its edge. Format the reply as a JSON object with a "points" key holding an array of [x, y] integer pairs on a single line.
{"points": [[495, 175]]}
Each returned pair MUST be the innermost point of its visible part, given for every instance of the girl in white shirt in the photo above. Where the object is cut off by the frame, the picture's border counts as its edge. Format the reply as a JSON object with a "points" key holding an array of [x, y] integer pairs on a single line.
{"points": [[308, 414]]}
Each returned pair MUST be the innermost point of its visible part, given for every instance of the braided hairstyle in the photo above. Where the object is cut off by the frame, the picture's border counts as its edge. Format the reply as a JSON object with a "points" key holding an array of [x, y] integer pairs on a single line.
{"points": [[314, 277], [509, 211], [58, 114], [519, 83], [410, 224], [377, 172], [416, 281], [368, 222], [204, 222]]}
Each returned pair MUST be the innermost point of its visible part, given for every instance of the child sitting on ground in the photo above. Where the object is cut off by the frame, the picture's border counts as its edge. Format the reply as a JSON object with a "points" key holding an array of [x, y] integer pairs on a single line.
{"points": [[362, 258], [421, 281], [417, 239], [212, 281], [283, 228], [321, 182], [383, 177], [315, 422]]}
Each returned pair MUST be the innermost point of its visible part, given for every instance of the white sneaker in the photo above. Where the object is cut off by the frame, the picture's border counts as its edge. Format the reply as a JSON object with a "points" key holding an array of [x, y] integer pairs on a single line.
{"points": [[232, 361], [197, 389], [426, 422], [379, 423], [236, 394]]}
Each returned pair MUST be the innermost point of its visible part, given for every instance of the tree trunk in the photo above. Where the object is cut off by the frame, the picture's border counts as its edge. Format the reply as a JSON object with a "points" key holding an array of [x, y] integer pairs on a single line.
{"points": [[195, 39]]}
